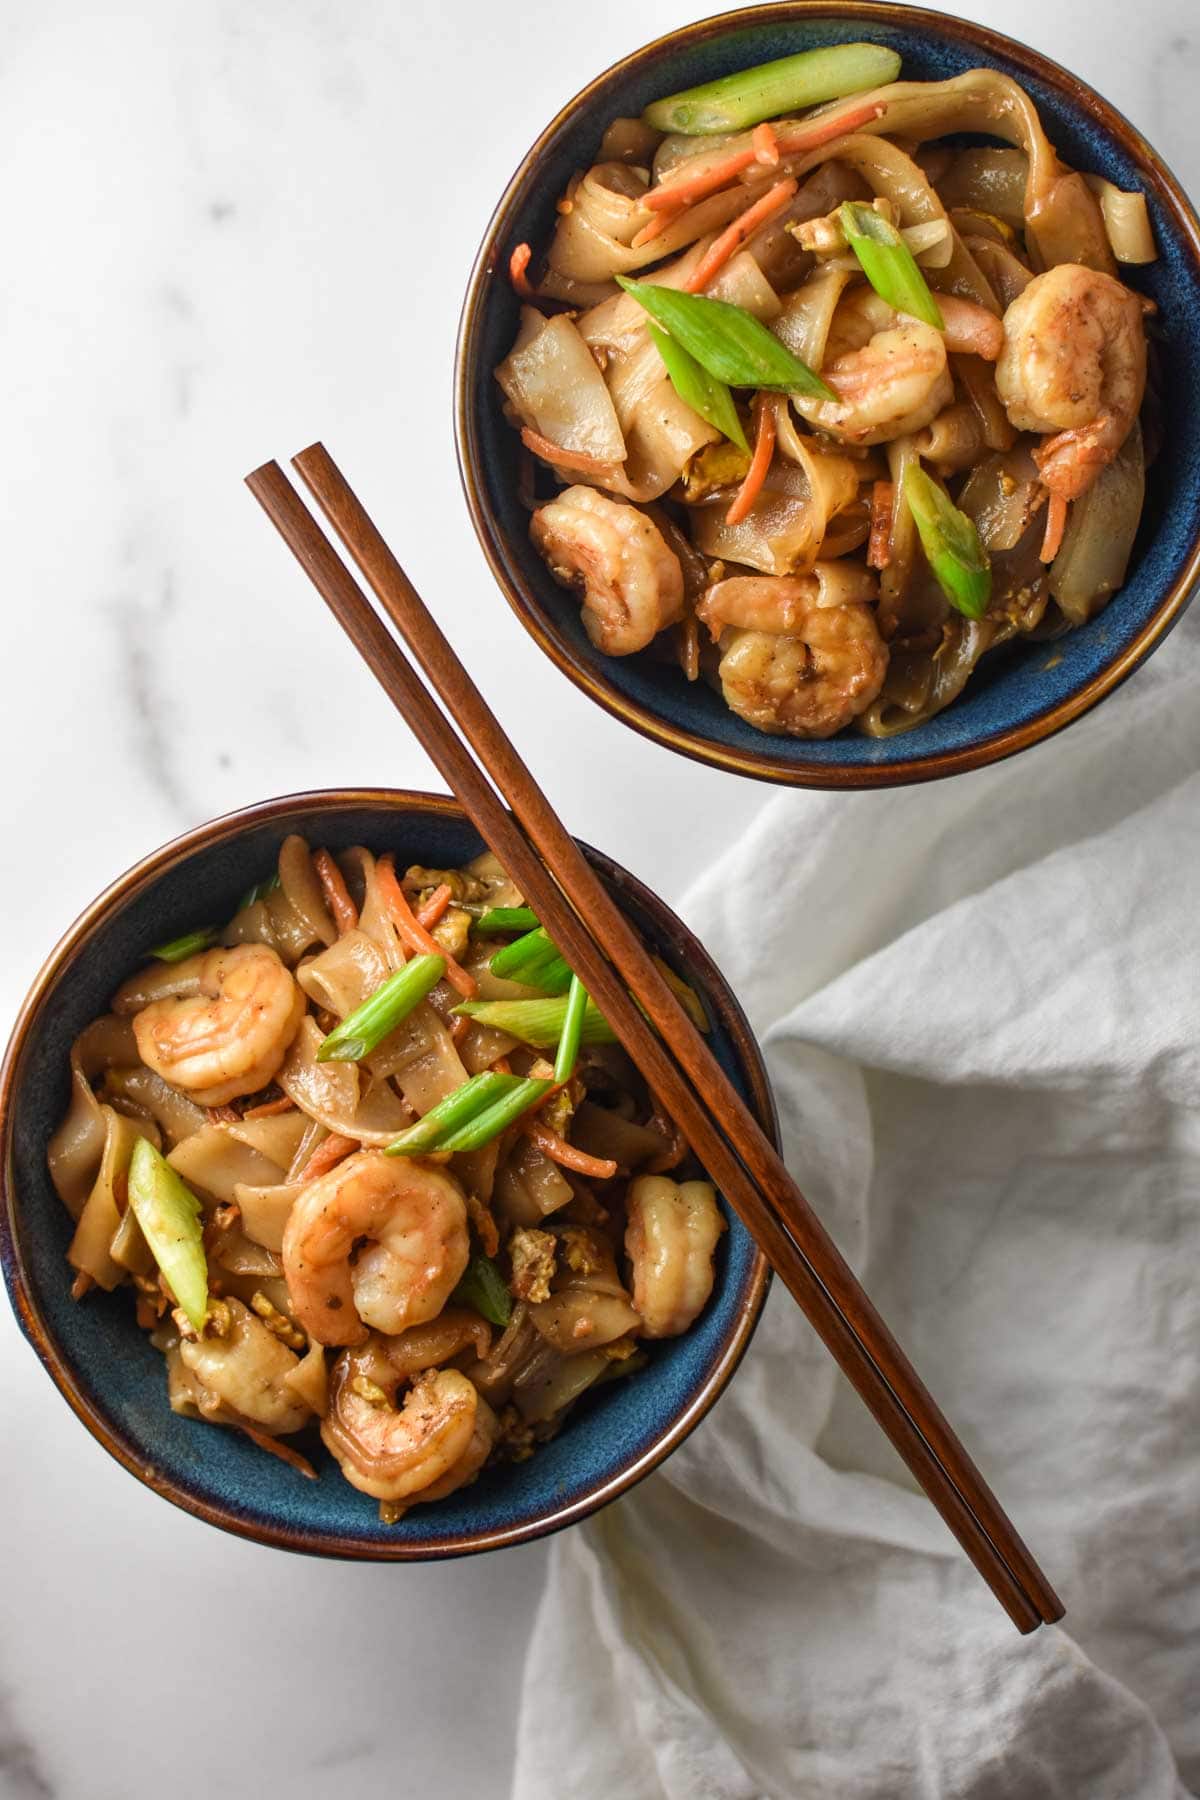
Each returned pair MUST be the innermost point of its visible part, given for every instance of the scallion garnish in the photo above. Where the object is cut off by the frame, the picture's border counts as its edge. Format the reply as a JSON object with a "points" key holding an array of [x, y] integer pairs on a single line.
{"points": [[888, 263], [259, 891], [568, 1043], [464, 1104], [951, 544], [171, 1220], [538, 1022], [505, 918], [188, 945], [698, 389], [471, 1116], [482, 1287], [727, 341], [735, 102], [497, 1117], [365, 1028], [535, 961]]}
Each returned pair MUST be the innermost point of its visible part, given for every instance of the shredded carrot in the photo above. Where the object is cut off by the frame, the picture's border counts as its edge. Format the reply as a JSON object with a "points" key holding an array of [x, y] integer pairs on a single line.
{"points": [[501, 1065], [81, 1285], [559, 1151], [435, 906], [337, 894], [655, 228], [879, 544], [412, 933], [283, 1451], [677, 192], [766, 144], [565, 459], [458, 1029], [735, 235], [810, 134], [673, 194], [760, 462], [328, 1153], [518, 263], [269, 1108], [1056, 524]]}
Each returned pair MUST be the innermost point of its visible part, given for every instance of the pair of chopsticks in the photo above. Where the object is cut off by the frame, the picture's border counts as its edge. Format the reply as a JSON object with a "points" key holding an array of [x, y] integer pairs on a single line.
{"points": [[599, 943]]}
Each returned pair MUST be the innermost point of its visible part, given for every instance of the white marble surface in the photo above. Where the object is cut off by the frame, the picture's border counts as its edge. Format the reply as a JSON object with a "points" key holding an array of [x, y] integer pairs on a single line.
{"points": [[230, 230]]}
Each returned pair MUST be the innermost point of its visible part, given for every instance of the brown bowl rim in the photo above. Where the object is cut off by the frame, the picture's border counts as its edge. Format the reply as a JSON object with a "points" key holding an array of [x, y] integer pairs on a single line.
{"points": [[122, 1446], [763, 765]]}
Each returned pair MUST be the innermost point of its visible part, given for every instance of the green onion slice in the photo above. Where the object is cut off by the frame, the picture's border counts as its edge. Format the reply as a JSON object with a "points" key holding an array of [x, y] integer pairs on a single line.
{"points": [[951, 544], [467, 1118], [506, 918], [498, 1117], [187, 945], [888, 263], [535, 960], [538, 1022], [727, 341], [458, 1108], [365, 1028], [698, 389], [259, 891], [170, 1217], [568, 1043], [735, 102], [482, 1287]]}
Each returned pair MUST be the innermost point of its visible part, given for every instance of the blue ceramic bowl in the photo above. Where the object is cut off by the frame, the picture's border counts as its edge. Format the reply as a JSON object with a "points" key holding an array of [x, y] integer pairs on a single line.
{"points": [[1020, 694], [102, 1362]]}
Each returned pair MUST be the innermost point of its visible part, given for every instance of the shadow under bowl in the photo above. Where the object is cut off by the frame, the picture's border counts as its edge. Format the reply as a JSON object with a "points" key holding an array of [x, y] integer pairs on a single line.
{"points": [[1019, 694], [105, 1366]]}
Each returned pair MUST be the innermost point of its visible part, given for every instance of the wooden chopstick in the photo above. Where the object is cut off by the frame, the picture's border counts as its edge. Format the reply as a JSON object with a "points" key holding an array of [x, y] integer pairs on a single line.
{"points": [[547, 865]]}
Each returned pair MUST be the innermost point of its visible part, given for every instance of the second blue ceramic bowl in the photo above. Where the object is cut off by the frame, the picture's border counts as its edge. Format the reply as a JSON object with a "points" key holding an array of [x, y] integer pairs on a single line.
{"points": [[1020, 694], [104, 1365]]}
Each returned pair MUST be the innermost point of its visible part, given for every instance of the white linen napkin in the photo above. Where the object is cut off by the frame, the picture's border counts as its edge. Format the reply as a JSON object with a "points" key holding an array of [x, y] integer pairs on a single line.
{"points": [[978, 1001]]}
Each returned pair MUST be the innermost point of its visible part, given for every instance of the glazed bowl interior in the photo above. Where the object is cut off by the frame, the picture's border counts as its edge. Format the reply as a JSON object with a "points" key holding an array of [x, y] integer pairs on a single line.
{"points": [[106, 1367], [1019, 694]]}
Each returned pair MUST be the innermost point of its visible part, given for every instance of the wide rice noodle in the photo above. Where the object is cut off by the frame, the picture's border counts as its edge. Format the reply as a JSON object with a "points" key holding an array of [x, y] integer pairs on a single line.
{"points": [[345, 975], [593, 241], [338, 1095], [552, 382], [1091, 563], [101, 1217], [1126, 221], [1061, 214], [75, 1149]]}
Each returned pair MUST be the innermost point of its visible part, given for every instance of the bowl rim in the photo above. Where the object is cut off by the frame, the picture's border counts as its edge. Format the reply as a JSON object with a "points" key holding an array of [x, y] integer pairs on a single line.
{"points": [[763, 764], [122, 1445]]}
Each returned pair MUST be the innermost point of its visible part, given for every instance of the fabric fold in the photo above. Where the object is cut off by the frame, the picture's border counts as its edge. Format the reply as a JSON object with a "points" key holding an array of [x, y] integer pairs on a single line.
{"points": [[979, 1007]]}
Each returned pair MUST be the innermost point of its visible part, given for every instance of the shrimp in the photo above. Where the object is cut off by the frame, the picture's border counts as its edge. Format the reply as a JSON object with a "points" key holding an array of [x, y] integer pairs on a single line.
{"points": [[889, 370], [227, 1025], [632, 584], [484, 1434], [782, 604], [391, 1452], [810, 682], [670, 1239], [245, 1372], [1073, 366], [416, 1220]]}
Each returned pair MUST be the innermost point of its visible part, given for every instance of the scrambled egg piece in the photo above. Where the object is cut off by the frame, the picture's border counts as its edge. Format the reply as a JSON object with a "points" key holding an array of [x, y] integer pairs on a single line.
{"points": [[533, 1254]]}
